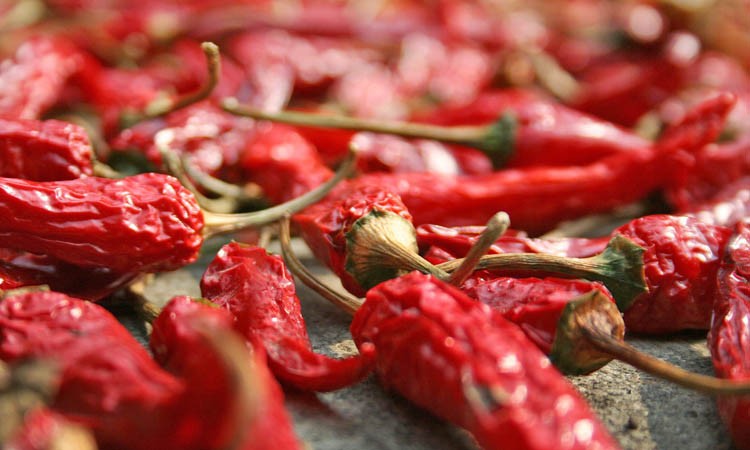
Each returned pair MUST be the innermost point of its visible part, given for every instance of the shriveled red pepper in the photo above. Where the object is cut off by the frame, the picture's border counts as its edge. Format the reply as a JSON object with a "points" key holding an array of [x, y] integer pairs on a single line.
{"points": [[147, 222], [729, 335], [259, 292], [259, 420], [727, 207], [49, 150], [463, 362]]}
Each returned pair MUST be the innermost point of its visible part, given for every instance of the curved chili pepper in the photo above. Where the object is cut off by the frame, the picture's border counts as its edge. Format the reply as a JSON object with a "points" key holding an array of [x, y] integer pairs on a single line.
{"points": [[729, 335], [727, 207], [259, 291], [260, 420], [465, 363]]}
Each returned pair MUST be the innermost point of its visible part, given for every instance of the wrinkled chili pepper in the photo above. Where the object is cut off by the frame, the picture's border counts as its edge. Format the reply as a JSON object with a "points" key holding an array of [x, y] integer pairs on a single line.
{"points": [[266, 425], [484, 375], [49, 150], [727, 207], [728, 338], [259, 292], [144, 223]]}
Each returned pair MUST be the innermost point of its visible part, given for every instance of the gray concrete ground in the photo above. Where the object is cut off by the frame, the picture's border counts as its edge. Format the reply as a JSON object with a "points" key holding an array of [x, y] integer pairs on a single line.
{"points": [[640, 411]]}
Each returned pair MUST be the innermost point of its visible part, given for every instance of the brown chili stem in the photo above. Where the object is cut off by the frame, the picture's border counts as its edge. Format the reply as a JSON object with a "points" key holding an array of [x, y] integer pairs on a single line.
{"points": [[227, 223], [407, 129], [496, 226], [213, 60], [248, 192], [345, 302], [662, 369]]}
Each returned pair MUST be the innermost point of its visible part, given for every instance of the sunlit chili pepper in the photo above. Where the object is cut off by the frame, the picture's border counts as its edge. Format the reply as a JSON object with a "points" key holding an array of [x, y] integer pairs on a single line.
{"points": [[179, 342], [727, 207], [48, 150], [729, 335], [463, 362], [259, 292], [143, 223]]}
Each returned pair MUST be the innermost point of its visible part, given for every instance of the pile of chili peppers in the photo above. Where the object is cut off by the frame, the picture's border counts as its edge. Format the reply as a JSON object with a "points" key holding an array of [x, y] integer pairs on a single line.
{"points": [[607, 150]]}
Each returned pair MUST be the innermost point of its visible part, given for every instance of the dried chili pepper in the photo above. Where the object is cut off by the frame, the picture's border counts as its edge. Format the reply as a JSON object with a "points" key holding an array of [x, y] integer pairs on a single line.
{"points": [[47, 150], [143, 223], [484, 375], [265, 423], [728, 337], [727, 207], [259, 292]]}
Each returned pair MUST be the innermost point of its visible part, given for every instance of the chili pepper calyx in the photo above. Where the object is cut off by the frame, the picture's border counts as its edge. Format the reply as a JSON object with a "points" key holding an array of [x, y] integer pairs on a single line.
{"points": [[571, 352], [499, 141], [383, 245], [24, 387], [622, 264]]}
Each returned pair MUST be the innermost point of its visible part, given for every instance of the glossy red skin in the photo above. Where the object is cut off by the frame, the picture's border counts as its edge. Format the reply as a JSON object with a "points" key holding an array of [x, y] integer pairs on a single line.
{"points": [[282, 162], [727, 207], [143, 223], [534, 304], [49, 150], [730, 332], [181, 350], [548, 133], [681, 260], [20, 269], [458, 240], [108, 381], [34, 80], [324, 225], [433, 343], [259, 291]]}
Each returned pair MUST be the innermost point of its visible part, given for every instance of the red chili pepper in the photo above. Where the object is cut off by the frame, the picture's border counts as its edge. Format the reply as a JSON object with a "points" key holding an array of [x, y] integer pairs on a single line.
{"points": [[466, 364], [729, 335], [142, 223], [47, 150], [259, 291], [534, 304], [20, 269], [282, 162], [35, 79], [324, 225], [262, 422], [727, 207]]}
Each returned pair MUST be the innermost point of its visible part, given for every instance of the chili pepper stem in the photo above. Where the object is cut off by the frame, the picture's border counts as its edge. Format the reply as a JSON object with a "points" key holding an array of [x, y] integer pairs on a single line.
{"points": [[173, 164], [571, 352], [165, 105], [383, 245], [249, 192], [619, 267], [343, 301], [496, 139], [662, 369], [496, 226], [227, 223]]}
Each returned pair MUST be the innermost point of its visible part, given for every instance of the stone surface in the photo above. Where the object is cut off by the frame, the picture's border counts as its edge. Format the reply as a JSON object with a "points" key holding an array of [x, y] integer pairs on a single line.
{"points": [[641, 412]]}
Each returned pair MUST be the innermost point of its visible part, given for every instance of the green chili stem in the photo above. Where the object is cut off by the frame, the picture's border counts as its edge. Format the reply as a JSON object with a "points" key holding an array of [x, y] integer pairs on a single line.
{"points": [[226, 223], [496, 139], [250, 192], [496, 226], [662, 369], [619, 267], [345, 302]]}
